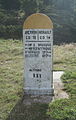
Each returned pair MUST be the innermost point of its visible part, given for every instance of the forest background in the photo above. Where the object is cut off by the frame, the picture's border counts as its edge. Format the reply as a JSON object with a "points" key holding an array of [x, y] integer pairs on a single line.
{"points": [[62, 12]]}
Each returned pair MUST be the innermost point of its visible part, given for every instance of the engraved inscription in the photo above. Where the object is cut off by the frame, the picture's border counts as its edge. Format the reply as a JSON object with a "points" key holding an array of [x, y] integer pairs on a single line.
{"points": [[38, 43]]}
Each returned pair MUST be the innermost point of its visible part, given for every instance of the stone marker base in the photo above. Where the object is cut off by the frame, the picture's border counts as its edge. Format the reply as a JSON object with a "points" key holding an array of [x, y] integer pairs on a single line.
{"points": [[39, 91], [38, 95], [30, 99]]}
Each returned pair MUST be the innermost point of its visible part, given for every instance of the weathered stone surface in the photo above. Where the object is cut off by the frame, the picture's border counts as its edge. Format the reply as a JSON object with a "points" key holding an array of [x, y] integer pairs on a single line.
{"points": [[38, 47]]}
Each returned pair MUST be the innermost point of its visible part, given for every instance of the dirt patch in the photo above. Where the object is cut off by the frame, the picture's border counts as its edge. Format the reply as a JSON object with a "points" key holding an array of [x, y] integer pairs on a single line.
{"points": [[59, 86]]}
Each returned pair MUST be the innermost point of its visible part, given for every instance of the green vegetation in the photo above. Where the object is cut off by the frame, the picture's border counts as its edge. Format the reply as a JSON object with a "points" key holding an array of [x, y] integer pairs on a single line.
{"points": [[11, 84], [11, 75], [63, 14], [69, 79], [63, 109], [65, 59]]}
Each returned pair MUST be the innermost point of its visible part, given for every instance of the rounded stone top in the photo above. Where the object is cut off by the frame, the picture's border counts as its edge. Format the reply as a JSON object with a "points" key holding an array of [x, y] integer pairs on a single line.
{"points": [[38, 21]]}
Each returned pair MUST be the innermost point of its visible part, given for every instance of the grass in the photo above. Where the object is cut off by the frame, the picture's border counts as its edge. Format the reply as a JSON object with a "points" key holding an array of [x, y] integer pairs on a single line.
{"points": [[69, 79], [11, 75], [11, 82], [63, 109], [65, 59]]}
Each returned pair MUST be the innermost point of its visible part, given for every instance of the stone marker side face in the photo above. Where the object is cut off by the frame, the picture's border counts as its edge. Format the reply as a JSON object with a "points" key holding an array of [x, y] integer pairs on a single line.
{"points": [[38, 60]]}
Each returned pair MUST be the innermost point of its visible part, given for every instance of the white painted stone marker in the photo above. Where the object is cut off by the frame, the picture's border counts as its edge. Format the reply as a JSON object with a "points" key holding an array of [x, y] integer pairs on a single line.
{"points": [[38, 52]]}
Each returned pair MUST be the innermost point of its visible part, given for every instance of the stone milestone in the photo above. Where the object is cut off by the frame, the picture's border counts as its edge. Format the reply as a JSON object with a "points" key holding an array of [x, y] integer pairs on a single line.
{"points": [[38, 55]]}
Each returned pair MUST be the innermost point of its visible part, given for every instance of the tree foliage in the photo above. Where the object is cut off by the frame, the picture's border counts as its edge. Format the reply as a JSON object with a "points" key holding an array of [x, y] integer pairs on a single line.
{"points": [[63, 14], [10, 4], [29, 6]]}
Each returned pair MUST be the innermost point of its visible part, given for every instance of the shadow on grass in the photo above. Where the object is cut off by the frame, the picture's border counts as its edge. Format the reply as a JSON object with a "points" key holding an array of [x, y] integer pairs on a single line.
{"points": [[34, 111]]}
